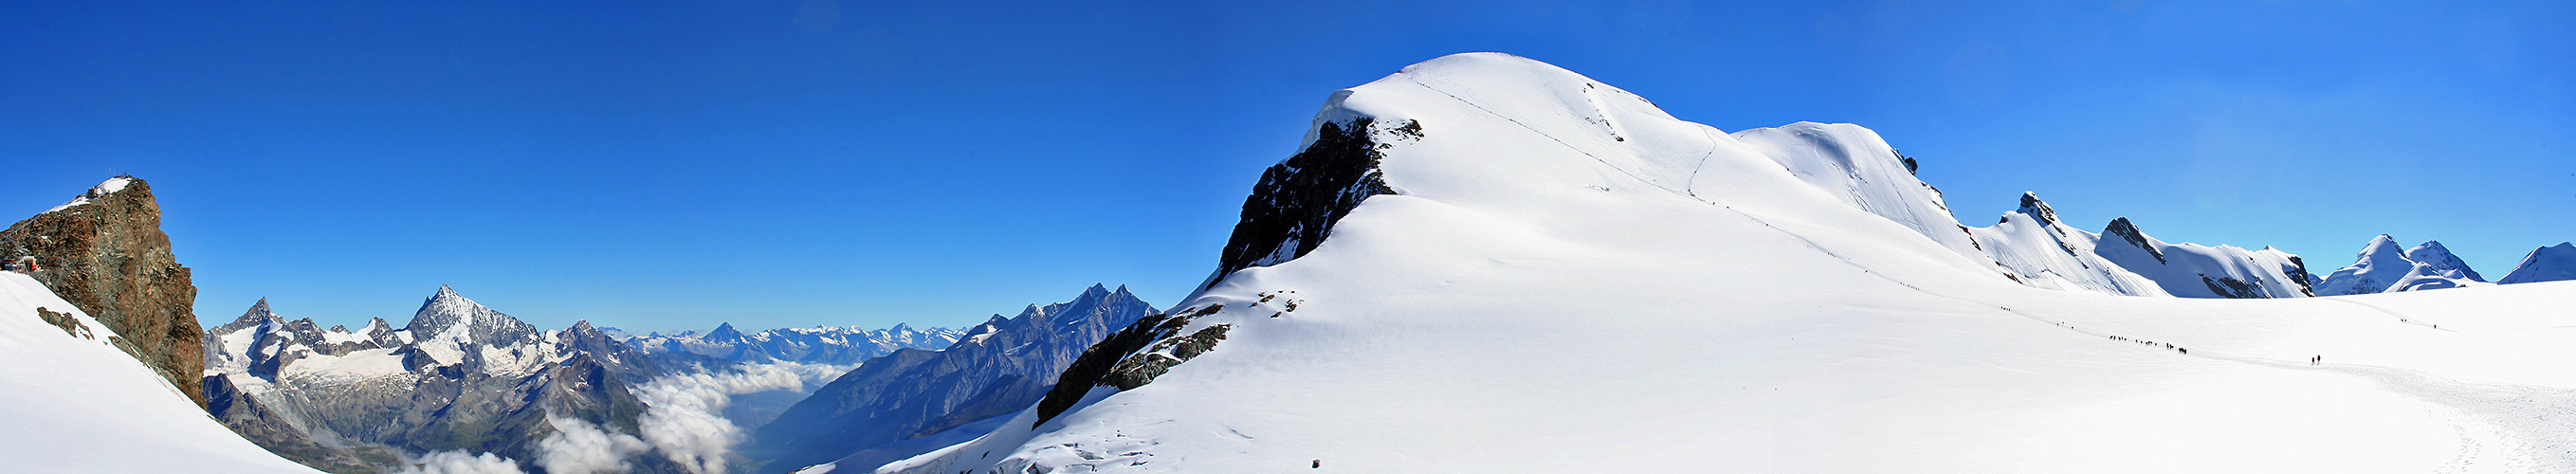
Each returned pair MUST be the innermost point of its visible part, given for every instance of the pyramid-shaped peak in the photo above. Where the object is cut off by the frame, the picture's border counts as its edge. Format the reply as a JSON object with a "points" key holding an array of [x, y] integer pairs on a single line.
{"points": [[724, 332], [2037, 209], [2431, 253]]}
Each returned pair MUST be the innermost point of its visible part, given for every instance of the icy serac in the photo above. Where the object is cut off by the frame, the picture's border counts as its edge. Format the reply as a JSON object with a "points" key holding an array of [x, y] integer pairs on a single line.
{"points": [[912, 400], [2381, 267], [458, 377], [2552, 263], [73, 401], [1707, 303]]}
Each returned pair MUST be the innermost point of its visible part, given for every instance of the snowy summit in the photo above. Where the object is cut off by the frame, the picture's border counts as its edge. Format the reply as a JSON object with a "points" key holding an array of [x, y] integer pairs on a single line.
{"points": [[1769, 300]]}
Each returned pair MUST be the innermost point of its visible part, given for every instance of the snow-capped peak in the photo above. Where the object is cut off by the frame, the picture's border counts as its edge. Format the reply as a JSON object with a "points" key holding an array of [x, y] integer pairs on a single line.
{"points": [[2384, 267], [2432, 253], [104, 188], [2030, 204], [453, 329], [2552, 263]]}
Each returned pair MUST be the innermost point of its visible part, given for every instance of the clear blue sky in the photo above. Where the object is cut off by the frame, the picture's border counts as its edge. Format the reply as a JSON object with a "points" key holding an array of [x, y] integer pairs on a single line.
{"points": [[663, 165]]}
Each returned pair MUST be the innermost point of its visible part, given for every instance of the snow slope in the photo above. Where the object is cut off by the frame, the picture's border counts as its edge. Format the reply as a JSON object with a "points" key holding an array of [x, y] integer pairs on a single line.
{"points": [[1704, 308], [2552, 263], [73, 404]]}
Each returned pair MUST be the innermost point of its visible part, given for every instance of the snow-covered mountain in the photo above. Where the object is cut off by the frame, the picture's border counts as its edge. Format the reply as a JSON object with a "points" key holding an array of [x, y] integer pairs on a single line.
{"points": [[2045, 253], [1484, 263], [73, 401], [2381, 267], [460, 378], [999, 368], [815, 345], [2552, 263], [2194, 271]]}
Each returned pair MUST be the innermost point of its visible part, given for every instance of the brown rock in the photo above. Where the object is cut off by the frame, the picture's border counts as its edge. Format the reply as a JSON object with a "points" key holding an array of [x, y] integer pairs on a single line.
{"points": [[109, 257]]}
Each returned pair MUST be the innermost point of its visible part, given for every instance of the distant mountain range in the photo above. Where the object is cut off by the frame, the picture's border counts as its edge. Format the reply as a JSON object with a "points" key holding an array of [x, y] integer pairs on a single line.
{"points": [[459, 377], [815, 345], [999, 368]]}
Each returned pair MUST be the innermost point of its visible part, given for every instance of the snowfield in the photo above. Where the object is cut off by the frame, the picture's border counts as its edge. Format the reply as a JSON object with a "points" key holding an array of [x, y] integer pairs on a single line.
{"points": [[75, 404], [1570, 280]]}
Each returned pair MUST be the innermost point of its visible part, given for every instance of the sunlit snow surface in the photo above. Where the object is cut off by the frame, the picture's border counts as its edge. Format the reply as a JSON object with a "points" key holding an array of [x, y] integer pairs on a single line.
{"points": [[1572, 281], [69, 404]]}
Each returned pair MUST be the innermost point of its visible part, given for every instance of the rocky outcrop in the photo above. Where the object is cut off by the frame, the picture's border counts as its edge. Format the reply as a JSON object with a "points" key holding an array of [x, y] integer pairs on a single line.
{"points": [[998, 369], [1298, 200], [105, 253], [1106, 363]]}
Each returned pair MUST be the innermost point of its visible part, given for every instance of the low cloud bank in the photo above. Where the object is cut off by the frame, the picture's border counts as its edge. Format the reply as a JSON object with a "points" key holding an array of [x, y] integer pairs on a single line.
{"points": [[457, 462], [684, 414], [578, 447]]}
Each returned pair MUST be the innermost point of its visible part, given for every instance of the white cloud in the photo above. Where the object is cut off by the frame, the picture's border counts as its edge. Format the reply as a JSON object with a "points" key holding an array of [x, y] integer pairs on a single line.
{"points": [[684, 414], [578, 447], [457, 462]]}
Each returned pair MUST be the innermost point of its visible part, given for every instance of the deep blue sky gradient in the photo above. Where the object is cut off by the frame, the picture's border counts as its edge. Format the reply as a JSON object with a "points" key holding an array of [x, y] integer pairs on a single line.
{"points": [[664, 165]]}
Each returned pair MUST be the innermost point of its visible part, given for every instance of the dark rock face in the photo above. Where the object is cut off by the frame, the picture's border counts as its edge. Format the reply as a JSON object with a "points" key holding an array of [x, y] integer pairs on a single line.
{"points": [[1099, 365], [998, 369], [2299, 274], [2128, 231], [109, 257], [2233, 288], [1299, 199], [2037, 209]]}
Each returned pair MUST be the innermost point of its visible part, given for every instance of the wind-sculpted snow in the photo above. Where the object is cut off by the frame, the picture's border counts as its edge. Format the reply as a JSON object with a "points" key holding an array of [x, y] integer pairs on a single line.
{"points": [[1563, 284]]}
